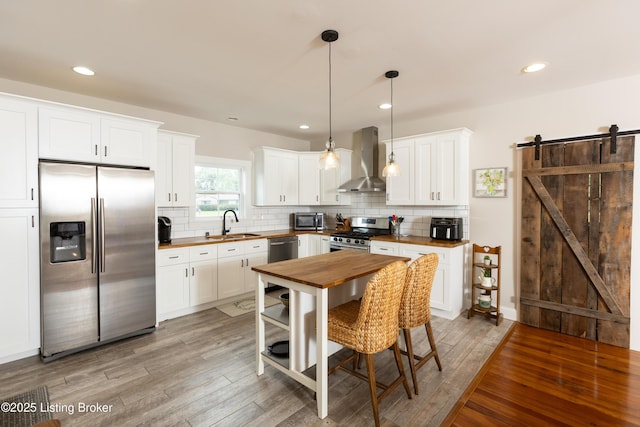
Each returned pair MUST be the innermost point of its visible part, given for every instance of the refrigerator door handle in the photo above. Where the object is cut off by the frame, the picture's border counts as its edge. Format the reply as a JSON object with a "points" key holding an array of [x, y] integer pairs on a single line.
{"points": [[94, 235], [103, 267]]}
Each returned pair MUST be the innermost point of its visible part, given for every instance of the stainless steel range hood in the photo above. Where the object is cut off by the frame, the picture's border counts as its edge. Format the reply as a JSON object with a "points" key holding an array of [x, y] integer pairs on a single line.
{"points": [[365, 150]]}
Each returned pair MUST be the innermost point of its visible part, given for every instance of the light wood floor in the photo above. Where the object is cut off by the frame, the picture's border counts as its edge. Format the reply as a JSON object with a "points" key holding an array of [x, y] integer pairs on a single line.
{"points": [[200, 370], [539, 377]]}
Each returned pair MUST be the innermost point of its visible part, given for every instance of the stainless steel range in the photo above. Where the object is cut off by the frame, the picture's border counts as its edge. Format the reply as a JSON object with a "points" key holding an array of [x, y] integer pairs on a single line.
{"points": [[359, 238]]}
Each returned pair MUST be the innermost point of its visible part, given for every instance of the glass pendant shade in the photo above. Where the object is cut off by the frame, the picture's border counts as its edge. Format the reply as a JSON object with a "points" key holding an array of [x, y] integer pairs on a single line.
{"points": [[329, 158], [392, 168]]}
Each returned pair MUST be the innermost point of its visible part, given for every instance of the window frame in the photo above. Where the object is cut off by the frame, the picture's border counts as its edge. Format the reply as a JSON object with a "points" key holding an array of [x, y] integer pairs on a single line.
{"points": [[245, 183]]}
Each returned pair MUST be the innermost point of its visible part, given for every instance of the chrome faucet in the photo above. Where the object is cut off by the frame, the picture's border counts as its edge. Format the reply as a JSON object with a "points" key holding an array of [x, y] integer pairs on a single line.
{"points": [[224, 220]]}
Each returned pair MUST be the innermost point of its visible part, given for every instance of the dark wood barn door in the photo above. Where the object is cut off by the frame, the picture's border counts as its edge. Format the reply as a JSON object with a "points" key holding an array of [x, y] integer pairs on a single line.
{"points": [[576, 239]]}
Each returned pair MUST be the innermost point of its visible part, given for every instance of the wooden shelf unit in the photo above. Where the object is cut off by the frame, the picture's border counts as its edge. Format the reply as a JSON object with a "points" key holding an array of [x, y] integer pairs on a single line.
{"points": [[477, 289]]}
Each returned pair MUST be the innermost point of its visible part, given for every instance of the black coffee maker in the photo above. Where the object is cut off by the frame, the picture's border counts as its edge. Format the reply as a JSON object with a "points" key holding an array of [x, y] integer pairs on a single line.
{"points": [[164, 229]]}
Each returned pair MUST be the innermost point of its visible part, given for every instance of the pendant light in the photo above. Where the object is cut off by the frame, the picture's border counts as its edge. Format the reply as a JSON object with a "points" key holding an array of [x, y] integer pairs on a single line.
{"points": [[391, 169], [330, 158]]}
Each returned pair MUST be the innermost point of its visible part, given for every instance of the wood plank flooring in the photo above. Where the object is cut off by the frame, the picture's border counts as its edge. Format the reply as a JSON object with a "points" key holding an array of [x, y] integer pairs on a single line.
{"points": [[538, 377], [200, 370]]}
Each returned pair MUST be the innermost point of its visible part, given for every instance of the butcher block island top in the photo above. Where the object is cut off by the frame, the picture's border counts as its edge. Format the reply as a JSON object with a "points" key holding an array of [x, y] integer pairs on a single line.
{"points": [[328, 270]]}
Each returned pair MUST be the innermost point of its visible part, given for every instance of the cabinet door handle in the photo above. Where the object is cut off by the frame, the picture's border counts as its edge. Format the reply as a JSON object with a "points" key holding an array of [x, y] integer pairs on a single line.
{"points": [[284, 197], [387, 197], [242, 263], [204, 253], [169, 197], [186, 272], [317, 198], [175, 197], [247, 262], [383, 249], [432, 195], [33, 221], [193, 271], [32, 194], [337, 198], [95, 150], [105, 151], [174, 257], [438, 195]]}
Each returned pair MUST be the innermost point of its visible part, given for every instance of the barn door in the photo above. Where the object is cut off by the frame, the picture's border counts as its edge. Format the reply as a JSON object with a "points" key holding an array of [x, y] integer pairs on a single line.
{"points": [[576, 239]]}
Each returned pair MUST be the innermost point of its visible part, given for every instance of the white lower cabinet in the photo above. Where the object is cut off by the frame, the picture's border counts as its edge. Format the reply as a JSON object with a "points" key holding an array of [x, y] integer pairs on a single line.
{"points": [[235, 260], [172, 282], [187, 278], [203, 284], [310, 245], [20, 284], [448, 285]]}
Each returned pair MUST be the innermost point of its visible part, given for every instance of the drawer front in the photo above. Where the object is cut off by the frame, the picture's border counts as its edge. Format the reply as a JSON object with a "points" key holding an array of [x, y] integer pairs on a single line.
{"points": [[255, 246], [230, 249], [172, 256], [203, 253], [416, 251]]}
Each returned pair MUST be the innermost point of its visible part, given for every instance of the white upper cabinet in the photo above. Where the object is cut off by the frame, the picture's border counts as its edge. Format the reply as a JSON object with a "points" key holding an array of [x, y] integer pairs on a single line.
{"points": [[275, 177], [71, 134], [174, 174], [400, 189], [434, 169], [127, 142], [19, 160], [318, 186], [309, 178]]}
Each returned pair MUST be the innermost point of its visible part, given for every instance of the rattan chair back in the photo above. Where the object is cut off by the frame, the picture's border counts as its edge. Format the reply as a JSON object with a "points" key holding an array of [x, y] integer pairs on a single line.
{"points": [[415, 308], [376, 327]]}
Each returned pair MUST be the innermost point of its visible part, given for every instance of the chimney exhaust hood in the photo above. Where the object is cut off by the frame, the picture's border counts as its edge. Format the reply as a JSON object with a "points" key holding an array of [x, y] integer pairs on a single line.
{"points": [[366, 148]]}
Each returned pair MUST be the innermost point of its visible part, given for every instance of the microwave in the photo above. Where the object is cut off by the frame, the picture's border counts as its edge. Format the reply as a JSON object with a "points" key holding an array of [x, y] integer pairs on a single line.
{"points": [[307, 220]]}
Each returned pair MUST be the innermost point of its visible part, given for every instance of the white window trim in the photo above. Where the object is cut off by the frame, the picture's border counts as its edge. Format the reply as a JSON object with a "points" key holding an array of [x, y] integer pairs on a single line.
{"points": [[244, 165]]}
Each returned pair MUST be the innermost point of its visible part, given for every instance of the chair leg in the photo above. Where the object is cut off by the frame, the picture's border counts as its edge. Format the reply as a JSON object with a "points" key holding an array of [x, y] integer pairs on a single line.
{"points": [[405, 383], [412, 366], [432, 343], [371, 373]]}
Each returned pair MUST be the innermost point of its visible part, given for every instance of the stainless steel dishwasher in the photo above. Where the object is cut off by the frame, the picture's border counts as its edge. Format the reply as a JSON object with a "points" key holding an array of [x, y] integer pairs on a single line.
{"points": [[281, 249]]}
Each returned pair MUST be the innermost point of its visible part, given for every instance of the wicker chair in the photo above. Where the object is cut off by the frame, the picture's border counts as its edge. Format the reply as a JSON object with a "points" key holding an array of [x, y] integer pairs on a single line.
{"points": [[415, 310], [370, 326]]}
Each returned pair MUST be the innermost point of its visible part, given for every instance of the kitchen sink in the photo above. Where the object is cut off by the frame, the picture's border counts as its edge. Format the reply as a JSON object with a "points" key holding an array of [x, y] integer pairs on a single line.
{"points": [[232, 236]]}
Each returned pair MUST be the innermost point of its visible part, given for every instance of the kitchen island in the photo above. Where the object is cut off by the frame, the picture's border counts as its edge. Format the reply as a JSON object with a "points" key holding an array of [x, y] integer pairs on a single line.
{"points": [[313, 277]]}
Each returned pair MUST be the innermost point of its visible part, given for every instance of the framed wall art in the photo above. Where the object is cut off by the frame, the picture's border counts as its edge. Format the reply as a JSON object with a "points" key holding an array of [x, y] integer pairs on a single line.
{"points": [[490, 182]]}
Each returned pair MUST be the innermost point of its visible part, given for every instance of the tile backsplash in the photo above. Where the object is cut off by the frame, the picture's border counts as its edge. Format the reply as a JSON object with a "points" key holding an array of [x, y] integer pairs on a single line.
{"points": [[416, 218]]}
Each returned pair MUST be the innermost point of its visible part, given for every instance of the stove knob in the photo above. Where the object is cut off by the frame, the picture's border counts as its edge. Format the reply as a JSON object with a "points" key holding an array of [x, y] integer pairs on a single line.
{"points": [[340, 239], [348, 240]]}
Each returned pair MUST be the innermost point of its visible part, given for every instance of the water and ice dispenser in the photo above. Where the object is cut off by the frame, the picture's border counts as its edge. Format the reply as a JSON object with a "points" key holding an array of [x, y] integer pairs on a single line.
{"points": [[68, 241]]}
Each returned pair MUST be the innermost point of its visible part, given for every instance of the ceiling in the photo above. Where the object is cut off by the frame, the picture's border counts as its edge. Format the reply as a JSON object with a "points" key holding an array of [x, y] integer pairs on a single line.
{"points": [[264, 63]]}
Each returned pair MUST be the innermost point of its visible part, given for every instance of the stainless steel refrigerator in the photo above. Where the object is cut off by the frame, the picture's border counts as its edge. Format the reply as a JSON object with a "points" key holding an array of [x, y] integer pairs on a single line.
{"points": [[97, 255]]}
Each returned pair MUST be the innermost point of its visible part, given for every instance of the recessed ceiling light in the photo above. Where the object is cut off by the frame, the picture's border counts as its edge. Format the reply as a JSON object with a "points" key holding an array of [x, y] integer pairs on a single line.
{"points": [[384, 106], [84, 70], [532, 68], [304, 126]]}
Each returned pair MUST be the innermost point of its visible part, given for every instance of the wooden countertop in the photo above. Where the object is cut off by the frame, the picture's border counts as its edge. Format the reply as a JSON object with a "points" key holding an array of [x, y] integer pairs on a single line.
{"points": [[328, 270], [195, 241], [420, 240], [413, 240]]}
